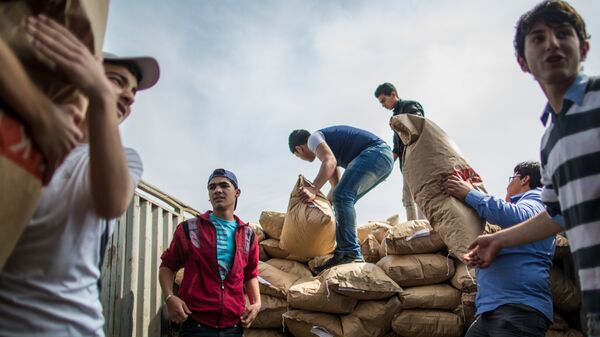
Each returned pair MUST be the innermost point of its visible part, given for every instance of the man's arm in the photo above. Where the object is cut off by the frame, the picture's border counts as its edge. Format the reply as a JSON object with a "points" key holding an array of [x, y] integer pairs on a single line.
{"points": [[252, 310], [54, 129], [326, 171], [485, 248], [177, 309], [110, 181]]}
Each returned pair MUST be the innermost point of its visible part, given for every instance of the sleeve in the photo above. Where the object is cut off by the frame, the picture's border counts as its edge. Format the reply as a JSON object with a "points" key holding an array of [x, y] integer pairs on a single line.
{"points": [[174, 257], [134, 163], [251, 270], [499, 212], [314, 140]]}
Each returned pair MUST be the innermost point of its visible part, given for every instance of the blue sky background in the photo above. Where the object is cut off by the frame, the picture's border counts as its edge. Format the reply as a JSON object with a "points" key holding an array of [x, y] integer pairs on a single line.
{"points": [[238, 76]]}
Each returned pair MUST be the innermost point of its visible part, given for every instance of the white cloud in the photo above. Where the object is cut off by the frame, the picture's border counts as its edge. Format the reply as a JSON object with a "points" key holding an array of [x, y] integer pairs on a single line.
{"points": [[237, 77]]}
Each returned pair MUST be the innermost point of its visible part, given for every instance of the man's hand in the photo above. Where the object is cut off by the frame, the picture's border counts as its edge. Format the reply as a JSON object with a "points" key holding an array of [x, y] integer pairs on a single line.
{"points": [[178, 310], [308, 194], [56, 134], [483, 251], [250, 314], [457, 187], [70, 55]]}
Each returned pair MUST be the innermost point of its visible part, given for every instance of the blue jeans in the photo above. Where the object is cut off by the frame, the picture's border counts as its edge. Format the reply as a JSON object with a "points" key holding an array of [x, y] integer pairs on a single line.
{"points": [[510, 320], [363, 173]]}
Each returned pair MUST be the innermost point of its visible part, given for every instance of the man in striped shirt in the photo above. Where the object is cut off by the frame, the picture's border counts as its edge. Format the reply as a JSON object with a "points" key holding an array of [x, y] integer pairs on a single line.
{"points": [[551, 42]]}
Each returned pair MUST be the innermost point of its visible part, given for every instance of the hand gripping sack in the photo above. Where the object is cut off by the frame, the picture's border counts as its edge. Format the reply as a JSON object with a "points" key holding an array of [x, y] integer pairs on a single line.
{"points": [[21, 163], [308, 228], [428, 157]]}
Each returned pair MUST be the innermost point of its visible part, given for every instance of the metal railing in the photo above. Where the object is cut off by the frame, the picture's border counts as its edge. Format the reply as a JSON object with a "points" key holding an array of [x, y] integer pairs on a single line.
{"points": [[130, 294]]}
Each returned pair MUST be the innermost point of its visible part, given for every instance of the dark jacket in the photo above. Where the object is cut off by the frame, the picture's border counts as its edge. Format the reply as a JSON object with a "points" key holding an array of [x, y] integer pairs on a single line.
{"points": [[405, 107]]}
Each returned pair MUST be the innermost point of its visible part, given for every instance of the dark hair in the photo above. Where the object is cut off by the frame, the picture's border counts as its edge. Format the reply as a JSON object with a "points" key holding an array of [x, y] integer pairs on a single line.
{"points": [[551, 12], [297, 138], [530, 169], [130, 66], [385, 89]]}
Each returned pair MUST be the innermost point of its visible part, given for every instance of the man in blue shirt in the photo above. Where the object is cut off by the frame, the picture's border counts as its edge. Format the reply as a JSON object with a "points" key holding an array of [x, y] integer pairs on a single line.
{"points": [[514, 292], [367, 161]]}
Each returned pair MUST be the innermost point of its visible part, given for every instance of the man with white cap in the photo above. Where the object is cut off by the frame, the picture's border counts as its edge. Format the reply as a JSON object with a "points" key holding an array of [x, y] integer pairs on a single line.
{"points": [[49, 286]]}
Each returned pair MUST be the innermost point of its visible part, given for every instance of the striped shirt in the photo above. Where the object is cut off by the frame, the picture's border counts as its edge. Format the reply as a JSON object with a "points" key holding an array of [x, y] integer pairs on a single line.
{"points": [[225, 243], [570, 156]]}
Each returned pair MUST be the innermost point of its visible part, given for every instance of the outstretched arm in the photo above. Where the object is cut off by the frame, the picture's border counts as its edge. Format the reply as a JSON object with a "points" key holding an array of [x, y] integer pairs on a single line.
{"points": [[326, 172], [110, 182], [54, 129], [485, 248]]}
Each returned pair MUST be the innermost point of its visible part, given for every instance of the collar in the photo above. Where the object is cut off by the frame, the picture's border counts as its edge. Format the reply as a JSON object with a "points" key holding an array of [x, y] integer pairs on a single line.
{"points": [[575, 94], [515, 198], [206, 216]]}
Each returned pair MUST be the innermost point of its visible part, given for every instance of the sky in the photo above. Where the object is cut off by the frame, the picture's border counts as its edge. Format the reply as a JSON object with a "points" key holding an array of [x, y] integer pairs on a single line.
{"points": [[238, 76]]}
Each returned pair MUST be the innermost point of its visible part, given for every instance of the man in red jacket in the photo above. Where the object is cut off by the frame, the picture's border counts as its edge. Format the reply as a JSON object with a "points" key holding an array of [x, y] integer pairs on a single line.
{"points": [[220, 255]]}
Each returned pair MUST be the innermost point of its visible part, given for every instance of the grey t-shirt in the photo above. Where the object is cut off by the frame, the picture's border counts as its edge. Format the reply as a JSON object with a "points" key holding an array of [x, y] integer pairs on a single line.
{"points": [[49, 284]]}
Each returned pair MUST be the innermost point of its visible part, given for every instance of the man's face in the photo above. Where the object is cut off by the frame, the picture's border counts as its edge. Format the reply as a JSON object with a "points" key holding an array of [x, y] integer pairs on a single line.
{"points": [[388, 101], [553, 53], [222, 193], [304, 153], [126, 86], [515, 186]]}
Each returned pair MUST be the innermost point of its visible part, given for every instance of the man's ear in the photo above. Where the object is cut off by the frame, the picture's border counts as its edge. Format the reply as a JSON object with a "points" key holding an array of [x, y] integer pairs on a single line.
{"points": [[525, 180], [585, 48], [523, 64], [237, 193], [394, 94]]}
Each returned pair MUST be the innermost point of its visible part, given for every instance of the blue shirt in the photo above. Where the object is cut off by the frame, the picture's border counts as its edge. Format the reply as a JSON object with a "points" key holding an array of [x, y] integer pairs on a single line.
{"points": [[521, 274], [225, 243], [348, 142]]}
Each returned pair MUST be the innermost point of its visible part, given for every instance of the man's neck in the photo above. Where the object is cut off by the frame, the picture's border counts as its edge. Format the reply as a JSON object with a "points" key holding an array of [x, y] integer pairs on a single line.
{"points": [[224, 214], [555, 93]]}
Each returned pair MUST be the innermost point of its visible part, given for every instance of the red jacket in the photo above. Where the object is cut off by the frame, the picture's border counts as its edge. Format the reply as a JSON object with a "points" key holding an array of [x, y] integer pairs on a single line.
{"points": [[213, 302]]}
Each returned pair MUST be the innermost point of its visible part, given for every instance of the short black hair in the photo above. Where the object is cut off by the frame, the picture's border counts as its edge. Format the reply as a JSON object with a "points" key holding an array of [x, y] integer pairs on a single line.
{"points": [[130, 66], [297, 138], [551, 12], [385, 89], [530, 169]]}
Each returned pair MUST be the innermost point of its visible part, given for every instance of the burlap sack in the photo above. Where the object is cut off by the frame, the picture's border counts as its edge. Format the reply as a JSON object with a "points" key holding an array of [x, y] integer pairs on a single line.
{"points": [[417, 269], [273, 281], [565, 294], [427, 323], [263, 332], [259, 233], [179, 276], [566, 333], [464, 278], [302, 323], [311, 293], [435, 296], [561, 248], [466, 309], [574, 333], [370, 249], [394, 220], [272, 248], [292, 267], [370, 318], [271, 310], [559, 323], [272, 223], [21, 163], [262, 254], [318, 261], [363, 281], [411, 237], [429, 156], [378, 229], [308, 229]]}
